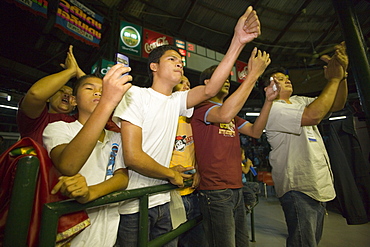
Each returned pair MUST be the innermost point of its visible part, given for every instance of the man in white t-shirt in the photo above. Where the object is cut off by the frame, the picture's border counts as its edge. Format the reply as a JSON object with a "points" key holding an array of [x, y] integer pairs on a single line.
{"points": [[148, 119], [90, 157]]}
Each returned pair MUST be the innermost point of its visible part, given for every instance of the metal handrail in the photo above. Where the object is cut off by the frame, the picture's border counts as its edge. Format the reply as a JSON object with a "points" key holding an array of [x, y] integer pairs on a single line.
{"points": [[52, 211], [21, 202]]}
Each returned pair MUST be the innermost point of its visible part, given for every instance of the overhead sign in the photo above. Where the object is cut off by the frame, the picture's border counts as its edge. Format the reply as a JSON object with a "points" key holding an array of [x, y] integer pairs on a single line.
{"points": [[152, 40], [180, 44], [130, 39], [38, 7], [102, 67], [80, 22]]}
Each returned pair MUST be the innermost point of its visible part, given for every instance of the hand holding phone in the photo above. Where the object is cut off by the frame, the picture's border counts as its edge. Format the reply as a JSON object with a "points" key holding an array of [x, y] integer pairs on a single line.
{"points": [[274, 85], [190, 172], [123, 59]]}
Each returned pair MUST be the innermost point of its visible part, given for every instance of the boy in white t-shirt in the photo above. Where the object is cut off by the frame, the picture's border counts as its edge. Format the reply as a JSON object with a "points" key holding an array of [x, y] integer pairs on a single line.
{"points": [[89, 156], [148, 119]]}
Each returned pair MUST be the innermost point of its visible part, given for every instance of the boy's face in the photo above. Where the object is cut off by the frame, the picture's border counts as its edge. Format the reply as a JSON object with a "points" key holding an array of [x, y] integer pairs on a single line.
{"points": [[169, 67], [225, 88], [62, 101], [88, 94]]}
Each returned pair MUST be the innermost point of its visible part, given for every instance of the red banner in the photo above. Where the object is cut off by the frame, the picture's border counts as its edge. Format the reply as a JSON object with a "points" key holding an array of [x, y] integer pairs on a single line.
{"points": [[241, 71], [152, 40]]}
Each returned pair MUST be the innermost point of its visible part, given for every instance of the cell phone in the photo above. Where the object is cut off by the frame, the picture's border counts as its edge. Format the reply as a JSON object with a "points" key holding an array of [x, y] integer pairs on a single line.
{"points": [[120, 58], [273, 86], [190, 172]]}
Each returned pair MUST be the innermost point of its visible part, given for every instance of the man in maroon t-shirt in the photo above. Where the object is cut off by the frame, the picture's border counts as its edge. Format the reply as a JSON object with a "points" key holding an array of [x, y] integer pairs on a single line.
{"points": [[217, 147], [34, 115], [50, 100]]}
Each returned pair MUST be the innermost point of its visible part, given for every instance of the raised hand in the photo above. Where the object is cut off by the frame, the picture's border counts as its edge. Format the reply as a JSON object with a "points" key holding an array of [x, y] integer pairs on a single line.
{"points": [[334, 69], [271, 94], [115, 84], [248, 26], [70, 62], [340, 55], [258, 62]]}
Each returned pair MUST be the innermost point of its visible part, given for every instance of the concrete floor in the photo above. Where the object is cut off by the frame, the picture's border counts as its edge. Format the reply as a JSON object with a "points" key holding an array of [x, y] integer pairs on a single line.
{"points": [[271, 231]]}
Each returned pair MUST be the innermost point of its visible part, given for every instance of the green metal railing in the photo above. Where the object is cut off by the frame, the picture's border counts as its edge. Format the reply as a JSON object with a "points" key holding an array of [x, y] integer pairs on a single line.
{"points": [[21, 202], [52, 212]]}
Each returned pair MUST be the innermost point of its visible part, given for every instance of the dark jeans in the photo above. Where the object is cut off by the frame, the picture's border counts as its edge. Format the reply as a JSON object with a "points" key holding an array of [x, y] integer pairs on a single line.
{"points": [[250, 191], [224, 217], [304, 217], [195, 236], [159, 223]]}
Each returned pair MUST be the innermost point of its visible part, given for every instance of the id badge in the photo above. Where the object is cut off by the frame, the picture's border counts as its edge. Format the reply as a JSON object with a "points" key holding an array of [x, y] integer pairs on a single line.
{"points": [[310, 134]]}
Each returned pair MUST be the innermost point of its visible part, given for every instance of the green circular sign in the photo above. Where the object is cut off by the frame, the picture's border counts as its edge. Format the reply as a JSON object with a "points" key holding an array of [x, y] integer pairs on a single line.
{"points": [[130, 36]]}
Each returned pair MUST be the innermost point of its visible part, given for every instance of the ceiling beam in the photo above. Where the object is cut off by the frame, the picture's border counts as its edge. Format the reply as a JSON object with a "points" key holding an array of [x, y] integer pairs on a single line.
{"points": [[290, 23], [185, 17]]}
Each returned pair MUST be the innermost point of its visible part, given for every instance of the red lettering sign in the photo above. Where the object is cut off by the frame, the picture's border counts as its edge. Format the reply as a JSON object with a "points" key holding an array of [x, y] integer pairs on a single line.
{"points": [[152, 40]]}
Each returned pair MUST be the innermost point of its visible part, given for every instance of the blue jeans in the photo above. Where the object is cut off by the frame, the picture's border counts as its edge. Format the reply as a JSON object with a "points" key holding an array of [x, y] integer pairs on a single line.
{"points": [[304, 217], [196, 235], [224, 217], [159, 223]]}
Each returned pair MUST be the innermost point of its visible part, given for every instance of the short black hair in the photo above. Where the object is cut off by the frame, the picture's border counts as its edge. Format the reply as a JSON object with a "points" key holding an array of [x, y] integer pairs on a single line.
{"points": [[81, 80], [207, 74], [156, 54], [265, 78]]}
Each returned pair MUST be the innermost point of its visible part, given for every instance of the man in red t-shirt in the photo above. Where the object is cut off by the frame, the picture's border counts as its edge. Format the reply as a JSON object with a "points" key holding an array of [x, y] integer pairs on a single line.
{"points": [[217, 147], [48, 100]]}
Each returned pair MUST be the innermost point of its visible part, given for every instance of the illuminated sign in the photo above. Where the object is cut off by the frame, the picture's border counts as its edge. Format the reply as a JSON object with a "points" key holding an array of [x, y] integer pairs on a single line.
{"points": [[182, 52], [130, 39], [152, 40], [103, 66], [180, 44], [191, 47]]}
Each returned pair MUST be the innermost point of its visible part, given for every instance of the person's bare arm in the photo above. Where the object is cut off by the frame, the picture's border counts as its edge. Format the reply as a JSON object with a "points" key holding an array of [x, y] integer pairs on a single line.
{"points": [[342, 93], [233, 104], [246, 166], [246, 29], [255, 130], [36, 97], [69, 158], [319, 108], [136, 159]]}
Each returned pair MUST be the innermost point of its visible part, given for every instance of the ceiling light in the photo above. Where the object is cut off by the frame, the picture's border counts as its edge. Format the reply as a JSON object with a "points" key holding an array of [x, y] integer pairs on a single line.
{"points": [[252, 114], [337, 118], [9, 107]]}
